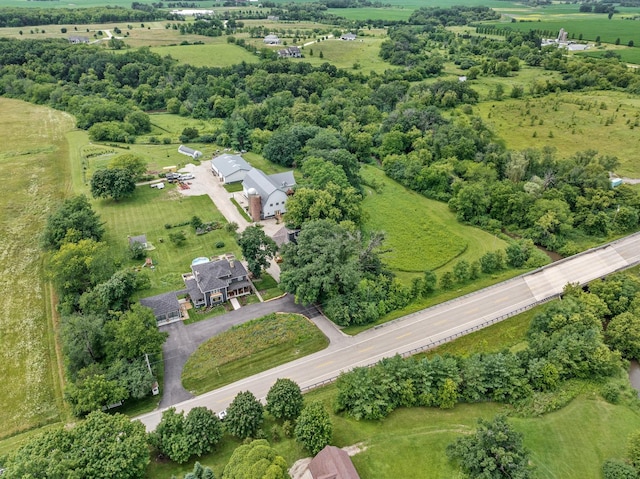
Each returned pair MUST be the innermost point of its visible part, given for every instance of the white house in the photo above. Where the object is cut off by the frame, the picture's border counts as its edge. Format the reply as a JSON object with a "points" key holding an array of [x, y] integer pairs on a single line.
{"points": [[230, 168], [185, 150], [272, 40], [267, 194], [348, 37]]}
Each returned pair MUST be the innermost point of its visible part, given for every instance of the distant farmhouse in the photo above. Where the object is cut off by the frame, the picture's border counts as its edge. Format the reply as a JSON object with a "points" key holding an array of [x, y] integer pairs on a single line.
{"points": [[185, 150], [271, 40], [562, 41], [267, 194], [212, 282], [290, 52], [273, 18], [230, 168], [348, 37], [76, 40]]}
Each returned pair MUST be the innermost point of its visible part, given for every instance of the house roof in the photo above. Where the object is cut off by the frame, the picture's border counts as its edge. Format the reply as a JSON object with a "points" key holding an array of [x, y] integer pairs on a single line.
{"points": [[194, 292], [216, 274], [348, 36], [228, 164], [332, 463], [162, 303], [284, 235], [142, 239], [265, 185], [271, 38]]}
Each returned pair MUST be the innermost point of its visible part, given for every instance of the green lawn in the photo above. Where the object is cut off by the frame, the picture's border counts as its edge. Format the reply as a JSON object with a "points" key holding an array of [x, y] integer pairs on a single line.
{"points": [[249, 349], [344, 54], [267, 286], [571, 122], [146, 213], [422, 234]]}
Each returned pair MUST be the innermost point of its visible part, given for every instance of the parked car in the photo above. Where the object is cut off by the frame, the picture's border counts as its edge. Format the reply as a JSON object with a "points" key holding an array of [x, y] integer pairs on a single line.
{"points": [[186, 176], [222, 414]]}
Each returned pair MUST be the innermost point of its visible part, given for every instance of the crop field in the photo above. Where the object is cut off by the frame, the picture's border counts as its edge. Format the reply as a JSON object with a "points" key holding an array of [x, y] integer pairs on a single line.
{"points": [[32, 158], [392, 13], [249, 349], [589, 26], [570, 122], [627, 54]]}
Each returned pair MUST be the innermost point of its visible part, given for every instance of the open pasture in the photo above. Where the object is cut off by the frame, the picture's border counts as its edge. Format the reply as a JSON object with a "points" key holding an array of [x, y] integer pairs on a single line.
{"points": [[361, 53], [33, 163], [627, 54], [422, 234], [209, 55], [570, 122]]}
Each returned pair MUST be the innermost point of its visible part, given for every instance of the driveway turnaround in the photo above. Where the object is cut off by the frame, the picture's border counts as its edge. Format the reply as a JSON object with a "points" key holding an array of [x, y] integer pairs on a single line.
{"points": [[427, 328]]}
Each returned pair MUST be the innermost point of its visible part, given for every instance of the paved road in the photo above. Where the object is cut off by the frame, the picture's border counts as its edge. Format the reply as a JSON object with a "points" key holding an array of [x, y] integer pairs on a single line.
{"points": [[428, 327]]}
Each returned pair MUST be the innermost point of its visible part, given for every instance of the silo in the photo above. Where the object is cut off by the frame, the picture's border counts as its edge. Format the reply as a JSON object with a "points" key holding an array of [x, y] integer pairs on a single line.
{"points": [[255, 204]]}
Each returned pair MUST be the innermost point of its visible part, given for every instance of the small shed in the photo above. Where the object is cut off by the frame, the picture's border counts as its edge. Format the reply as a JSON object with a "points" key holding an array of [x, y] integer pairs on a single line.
{"points": [[142, 239], [185, 150], [616, 182]]}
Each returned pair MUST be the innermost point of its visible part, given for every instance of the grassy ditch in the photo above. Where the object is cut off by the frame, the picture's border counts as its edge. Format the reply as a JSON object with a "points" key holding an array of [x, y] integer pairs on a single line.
{"points": [[249, 349]]}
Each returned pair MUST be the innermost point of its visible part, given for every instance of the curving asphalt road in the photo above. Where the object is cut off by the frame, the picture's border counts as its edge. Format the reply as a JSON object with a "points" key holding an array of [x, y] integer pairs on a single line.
{"points": [[426, 328]]}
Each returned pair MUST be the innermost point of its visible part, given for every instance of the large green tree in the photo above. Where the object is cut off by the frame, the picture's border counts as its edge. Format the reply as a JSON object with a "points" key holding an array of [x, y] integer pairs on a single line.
{"points": [[103, 446], [494, 451], [256, 460], [73, 221], [313, 428], [284, 399], [134, 334], [116, 183], [623, 334], [180, 437], [323, 263], [244, 415], [134, 164], [257, 248], [82, 341]]}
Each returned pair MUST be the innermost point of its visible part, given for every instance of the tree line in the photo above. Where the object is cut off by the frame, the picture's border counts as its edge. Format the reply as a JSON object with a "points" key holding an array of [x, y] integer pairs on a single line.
{"points": [[584, 336], [23, 17]]}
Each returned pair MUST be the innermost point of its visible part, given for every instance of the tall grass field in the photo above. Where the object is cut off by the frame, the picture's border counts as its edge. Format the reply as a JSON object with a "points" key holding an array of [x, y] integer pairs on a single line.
{"points": [[34, 171], [421, 234]]}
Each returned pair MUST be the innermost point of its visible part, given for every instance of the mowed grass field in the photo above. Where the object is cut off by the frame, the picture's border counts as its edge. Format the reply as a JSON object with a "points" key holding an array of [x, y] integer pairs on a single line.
{"points": [[345, 54], [571, 122], [34, 169], [210, 55], [147, 212], [422, 234]]}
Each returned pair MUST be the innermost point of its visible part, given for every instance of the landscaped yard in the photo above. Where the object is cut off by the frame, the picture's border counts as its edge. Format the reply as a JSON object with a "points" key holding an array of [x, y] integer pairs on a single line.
{"points": [[146, 213], [251, 348], [35, 177]]}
